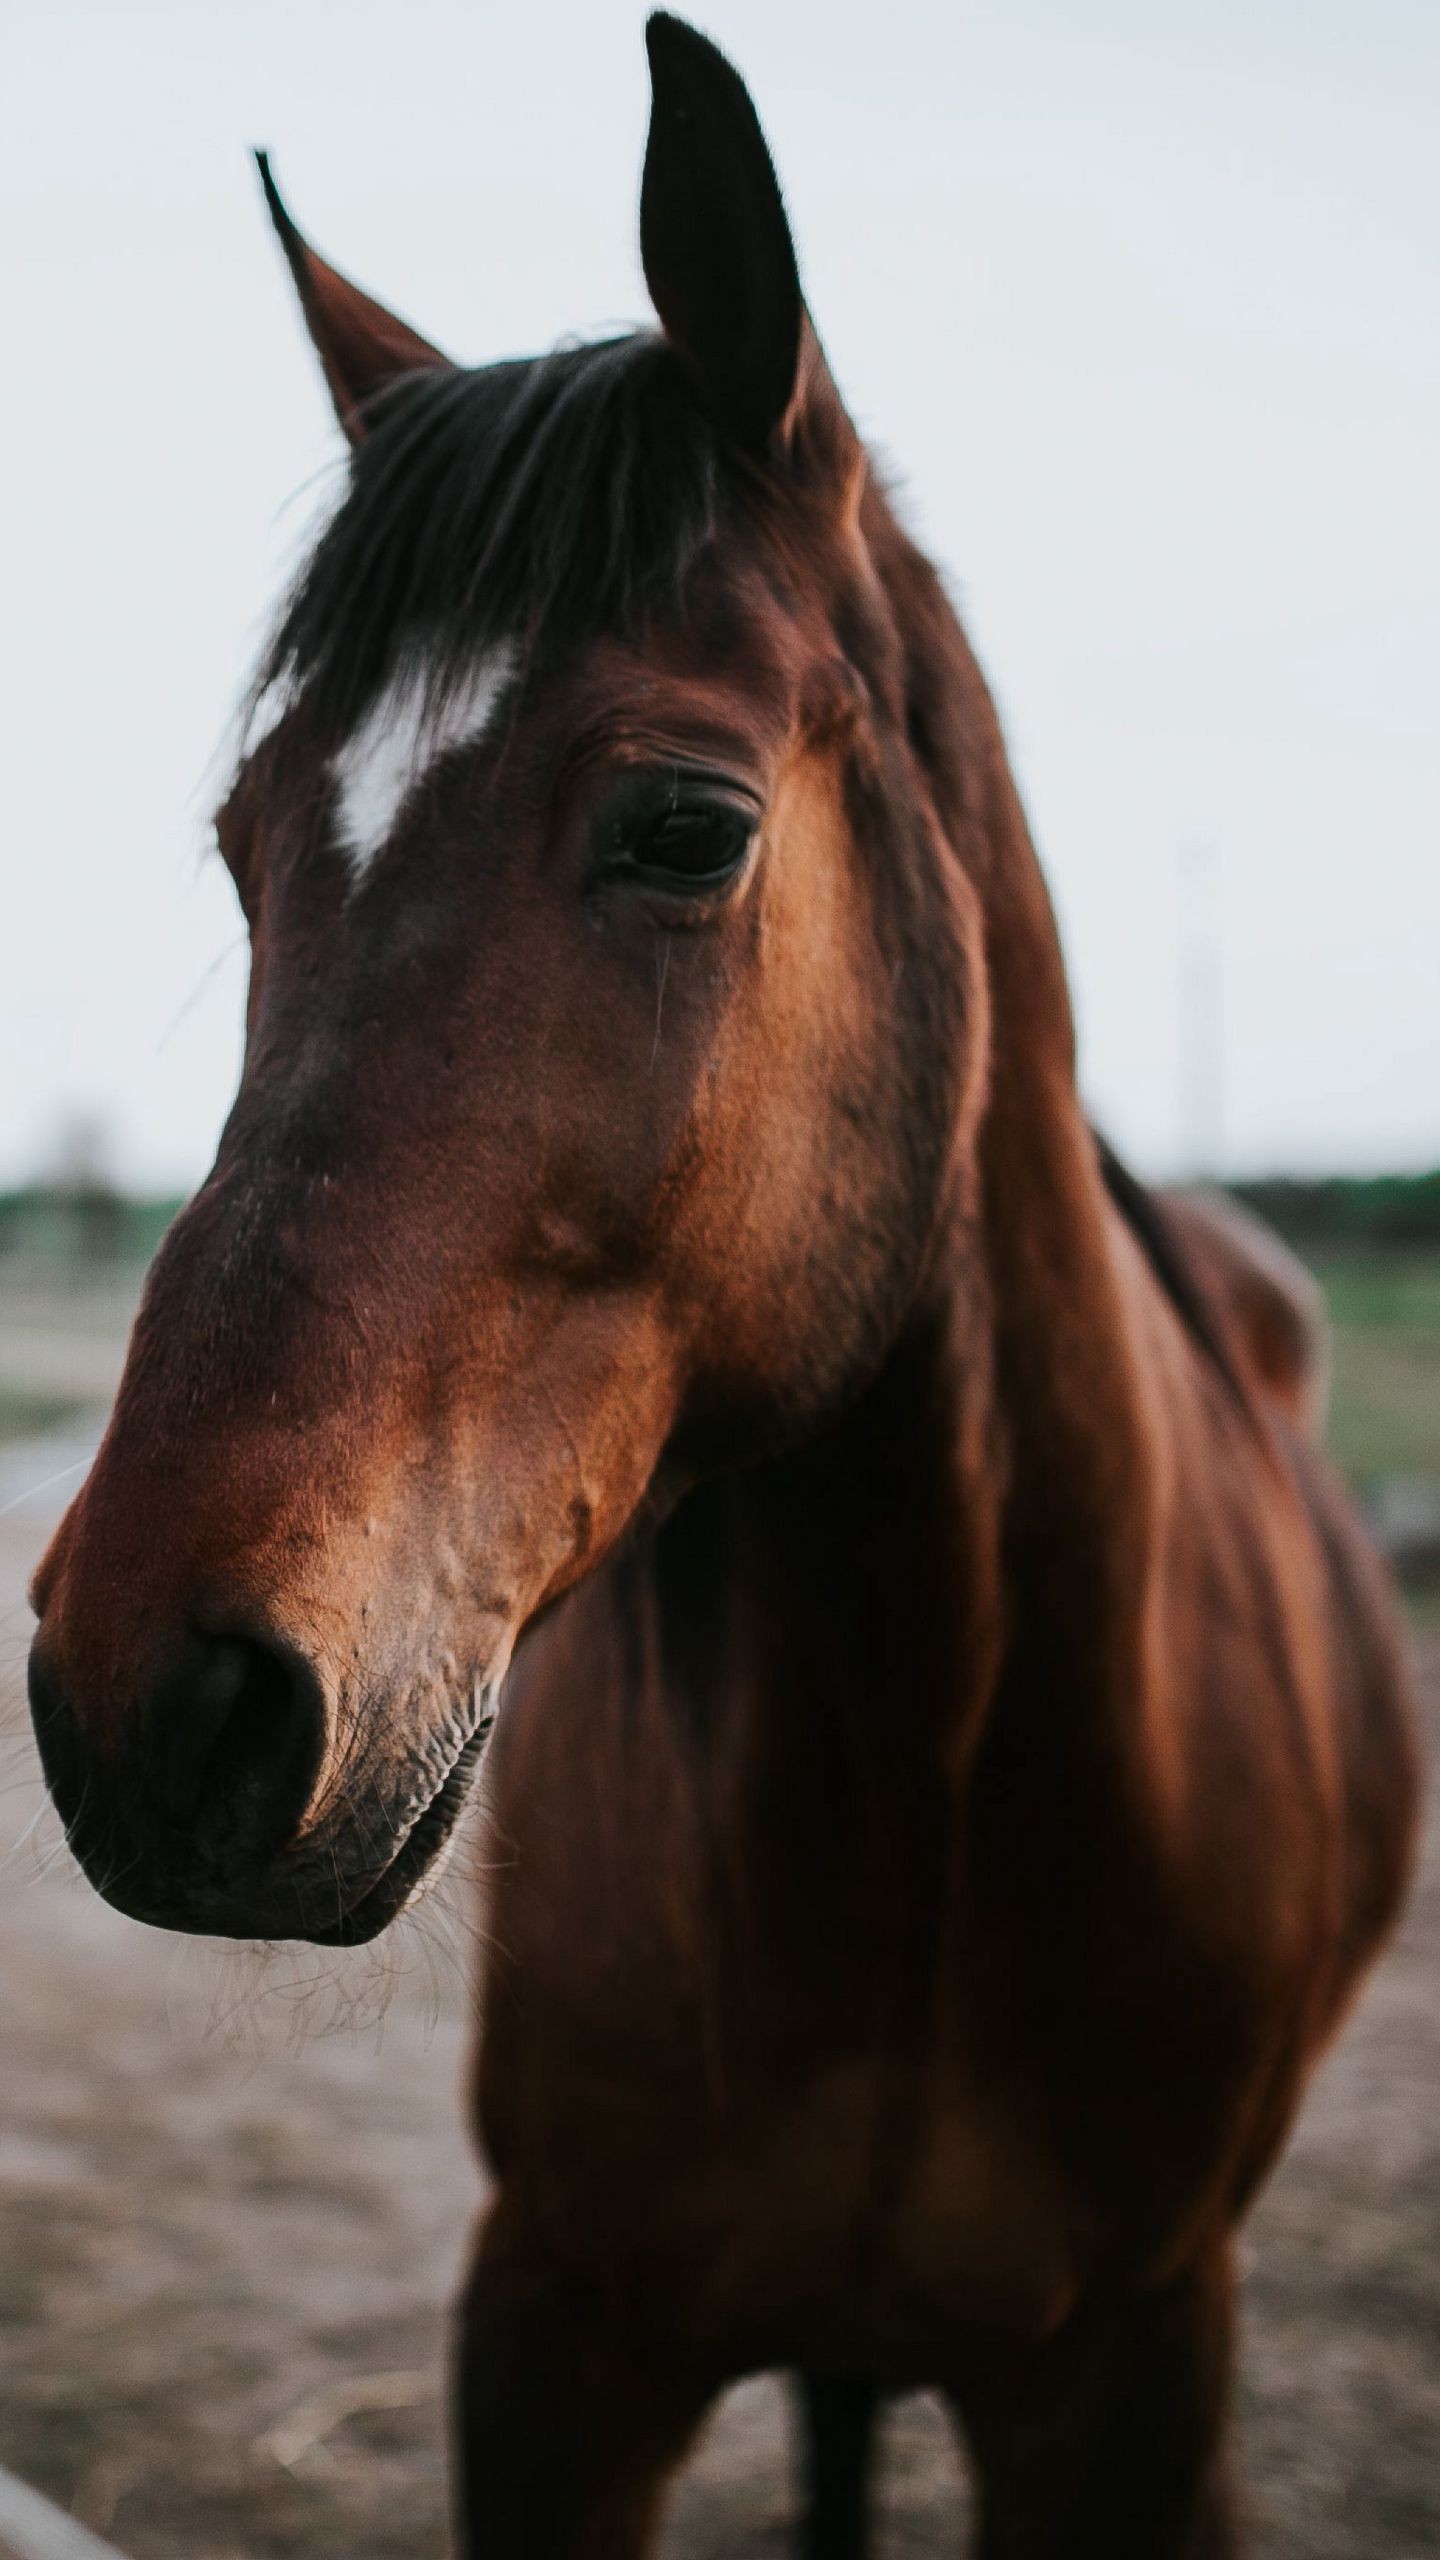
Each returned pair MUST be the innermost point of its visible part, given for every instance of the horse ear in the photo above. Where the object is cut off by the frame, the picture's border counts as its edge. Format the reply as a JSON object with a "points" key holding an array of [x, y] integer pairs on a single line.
{"points": [[714, 241], [362, 346]]}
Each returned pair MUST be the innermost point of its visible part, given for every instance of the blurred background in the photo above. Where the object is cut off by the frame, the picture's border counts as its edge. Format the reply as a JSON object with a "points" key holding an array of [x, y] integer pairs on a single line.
{"points": [[1138, 299]]}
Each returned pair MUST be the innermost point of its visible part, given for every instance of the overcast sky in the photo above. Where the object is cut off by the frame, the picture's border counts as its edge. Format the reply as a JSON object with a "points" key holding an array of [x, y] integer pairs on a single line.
{"points": [[1138, 297]]}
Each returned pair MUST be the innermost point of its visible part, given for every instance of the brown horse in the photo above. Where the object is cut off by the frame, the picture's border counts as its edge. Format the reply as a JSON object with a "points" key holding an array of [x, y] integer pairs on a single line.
{"points": [[956, 1763]]}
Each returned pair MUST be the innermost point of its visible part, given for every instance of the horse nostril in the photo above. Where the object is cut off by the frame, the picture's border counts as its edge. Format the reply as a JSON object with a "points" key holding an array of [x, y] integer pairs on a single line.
{"points": [[189, 1714], [235, 1735]]}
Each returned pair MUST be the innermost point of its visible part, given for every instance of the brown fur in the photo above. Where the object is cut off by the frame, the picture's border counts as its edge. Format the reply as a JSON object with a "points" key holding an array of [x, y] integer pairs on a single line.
{"points": [[956, 1764]]}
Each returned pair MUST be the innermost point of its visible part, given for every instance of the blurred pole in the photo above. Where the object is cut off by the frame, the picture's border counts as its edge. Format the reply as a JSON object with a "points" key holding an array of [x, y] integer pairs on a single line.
{"points": [[1201, 1045]]}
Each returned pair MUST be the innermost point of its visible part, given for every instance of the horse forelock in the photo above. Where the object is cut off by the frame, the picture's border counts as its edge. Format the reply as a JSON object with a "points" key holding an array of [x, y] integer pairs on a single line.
{"points": [[534, 504]]}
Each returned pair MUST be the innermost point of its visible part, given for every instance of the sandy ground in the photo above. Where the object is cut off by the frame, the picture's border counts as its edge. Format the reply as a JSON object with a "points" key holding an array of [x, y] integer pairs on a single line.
{"points": [[233, 2198]]}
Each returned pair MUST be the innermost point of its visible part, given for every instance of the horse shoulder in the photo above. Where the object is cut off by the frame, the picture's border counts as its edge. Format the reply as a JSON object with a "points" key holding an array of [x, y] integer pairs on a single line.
{"points": [[1285, 1725]]}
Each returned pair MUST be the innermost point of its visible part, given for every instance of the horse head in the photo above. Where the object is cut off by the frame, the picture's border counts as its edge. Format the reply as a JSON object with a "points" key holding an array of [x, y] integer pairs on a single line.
{"points": [[616, 1019]]}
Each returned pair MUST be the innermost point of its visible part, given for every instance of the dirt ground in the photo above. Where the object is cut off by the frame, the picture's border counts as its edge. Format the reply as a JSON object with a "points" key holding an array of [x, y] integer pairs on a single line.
{"points": [[233, 2199]]}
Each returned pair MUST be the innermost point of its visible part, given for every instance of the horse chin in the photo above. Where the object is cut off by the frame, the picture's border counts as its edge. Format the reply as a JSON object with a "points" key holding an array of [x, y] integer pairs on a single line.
{"points": [[419, 1859]]}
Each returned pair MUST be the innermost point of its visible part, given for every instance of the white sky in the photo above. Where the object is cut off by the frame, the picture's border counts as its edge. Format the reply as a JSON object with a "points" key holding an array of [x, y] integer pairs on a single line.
{"points": [[1140, 297]]}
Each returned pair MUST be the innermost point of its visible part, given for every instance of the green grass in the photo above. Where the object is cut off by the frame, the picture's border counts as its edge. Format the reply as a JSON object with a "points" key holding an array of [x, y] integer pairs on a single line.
{"points": [[24, 1416], [1385, 1386]]}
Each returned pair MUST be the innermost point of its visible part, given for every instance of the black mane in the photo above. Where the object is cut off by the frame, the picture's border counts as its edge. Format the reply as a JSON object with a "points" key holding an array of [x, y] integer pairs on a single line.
{"points": [[1154, 1230], [539, 501]]}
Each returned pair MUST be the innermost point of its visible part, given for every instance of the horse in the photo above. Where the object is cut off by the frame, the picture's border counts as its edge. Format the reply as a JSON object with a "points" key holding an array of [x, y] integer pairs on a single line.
{"points": [[955, 1760]]}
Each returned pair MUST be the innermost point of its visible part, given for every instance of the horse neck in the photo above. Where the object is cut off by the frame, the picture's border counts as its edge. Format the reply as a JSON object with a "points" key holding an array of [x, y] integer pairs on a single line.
{"points": [[982, 1516], [1074, 1386]]}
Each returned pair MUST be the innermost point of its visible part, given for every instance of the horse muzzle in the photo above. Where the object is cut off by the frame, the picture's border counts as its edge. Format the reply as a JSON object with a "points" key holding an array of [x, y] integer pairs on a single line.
{"points": [[228, 1802]]}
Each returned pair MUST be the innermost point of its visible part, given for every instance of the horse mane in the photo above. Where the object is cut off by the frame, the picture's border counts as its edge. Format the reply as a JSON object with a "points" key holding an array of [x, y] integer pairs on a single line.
{"points": [[542, 500], [1160, 1241]]}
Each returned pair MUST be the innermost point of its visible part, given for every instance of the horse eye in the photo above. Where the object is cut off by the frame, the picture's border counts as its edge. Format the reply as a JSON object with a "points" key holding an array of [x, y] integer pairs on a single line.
{"points": [[699, 845]]}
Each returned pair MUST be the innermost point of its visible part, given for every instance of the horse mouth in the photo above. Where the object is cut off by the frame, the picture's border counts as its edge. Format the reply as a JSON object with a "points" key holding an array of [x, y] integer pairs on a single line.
{"points": [[152, 1871], [419, 1850]]}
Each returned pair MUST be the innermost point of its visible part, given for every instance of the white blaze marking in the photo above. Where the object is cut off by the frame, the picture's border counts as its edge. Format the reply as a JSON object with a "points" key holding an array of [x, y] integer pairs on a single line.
{"points": [[398, 742]]}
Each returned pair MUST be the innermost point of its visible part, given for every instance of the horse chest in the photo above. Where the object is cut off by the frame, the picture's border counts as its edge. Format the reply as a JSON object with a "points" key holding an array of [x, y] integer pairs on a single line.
{"points": [[861, 2215], [982, 2240]]}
